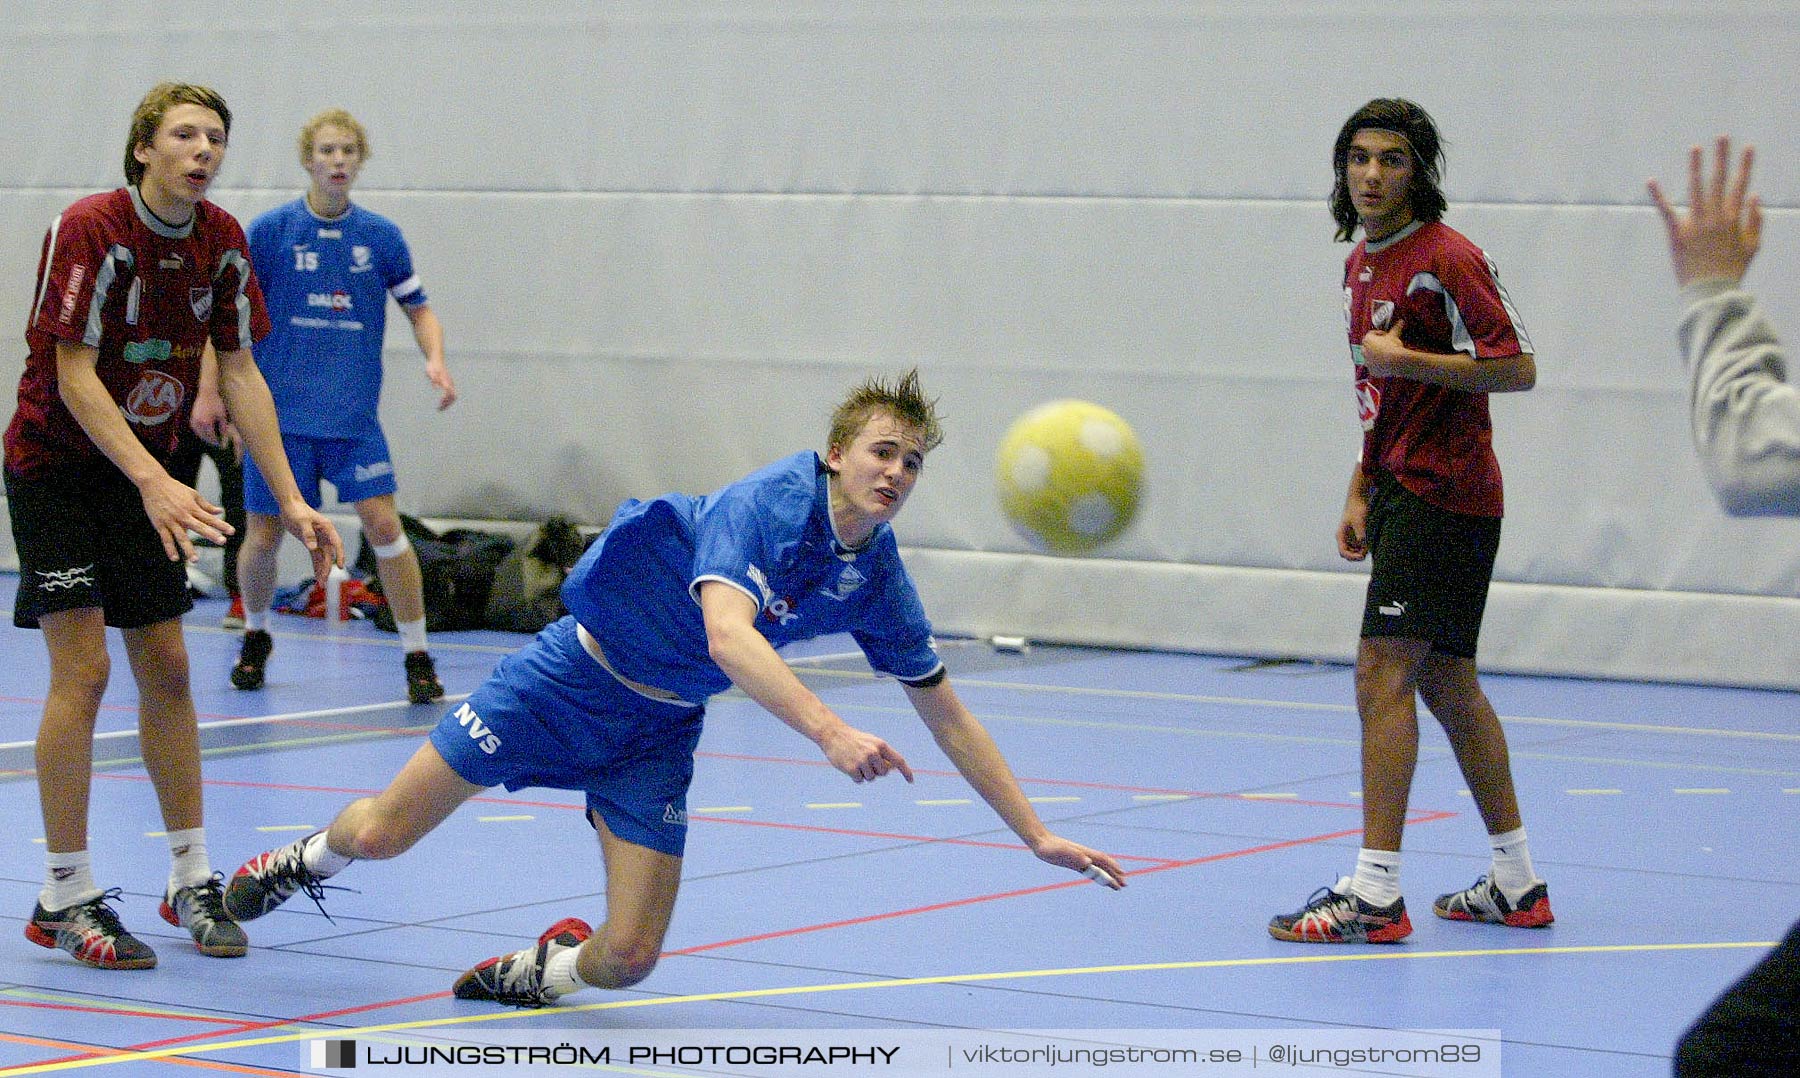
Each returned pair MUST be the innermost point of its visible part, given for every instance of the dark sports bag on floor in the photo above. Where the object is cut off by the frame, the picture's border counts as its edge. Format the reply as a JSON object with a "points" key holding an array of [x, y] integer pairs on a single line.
{"points": [[456, 569]]}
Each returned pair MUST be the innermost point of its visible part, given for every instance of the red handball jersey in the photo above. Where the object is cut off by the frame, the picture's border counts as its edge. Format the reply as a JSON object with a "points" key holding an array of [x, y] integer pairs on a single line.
{"points": [[115, 277], [1437, 441]]}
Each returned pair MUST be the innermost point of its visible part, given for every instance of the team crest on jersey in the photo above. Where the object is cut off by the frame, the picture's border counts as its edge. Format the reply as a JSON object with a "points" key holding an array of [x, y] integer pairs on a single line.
{"points": [[200, 300], [847, 583], [1368, 402], [359, 259], [155, 398], [1381, 313]]}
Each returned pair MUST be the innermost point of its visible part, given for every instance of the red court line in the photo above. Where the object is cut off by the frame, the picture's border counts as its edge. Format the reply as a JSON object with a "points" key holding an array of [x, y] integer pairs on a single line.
{"points": [[257, 1027], [239, 1027], [1158, 865], [90, 1051], [1041, 889]]}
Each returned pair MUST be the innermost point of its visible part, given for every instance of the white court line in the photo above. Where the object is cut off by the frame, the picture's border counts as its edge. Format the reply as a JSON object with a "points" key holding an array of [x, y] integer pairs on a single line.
{"points": [[1303, 705], [263, 720]]}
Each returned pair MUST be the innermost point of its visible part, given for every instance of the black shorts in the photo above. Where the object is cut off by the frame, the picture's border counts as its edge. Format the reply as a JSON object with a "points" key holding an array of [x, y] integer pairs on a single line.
{"points": [[84, 540], [1431, 570]]}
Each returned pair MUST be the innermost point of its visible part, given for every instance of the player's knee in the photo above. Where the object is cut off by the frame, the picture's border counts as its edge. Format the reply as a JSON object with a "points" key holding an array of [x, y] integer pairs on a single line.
{"points": [[262, 534], [81, 677], [373, 834]]}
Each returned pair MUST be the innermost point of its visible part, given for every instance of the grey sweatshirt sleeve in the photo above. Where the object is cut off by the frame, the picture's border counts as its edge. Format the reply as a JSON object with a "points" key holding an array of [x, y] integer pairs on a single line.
{"points": [[1746, 414]]}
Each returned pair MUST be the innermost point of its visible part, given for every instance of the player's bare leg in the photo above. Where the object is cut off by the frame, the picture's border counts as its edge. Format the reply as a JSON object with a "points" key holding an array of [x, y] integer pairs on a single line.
{"points": [[1452, 691], [64, 753], [403, 586], [169, 733], [1510, 893], [641, 885], [257, 566], [1387, 678]]}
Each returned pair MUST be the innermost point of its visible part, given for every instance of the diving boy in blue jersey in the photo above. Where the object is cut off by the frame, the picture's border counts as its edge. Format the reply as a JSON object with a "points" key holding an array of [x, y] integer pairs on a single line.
{"points": [[679, 599]]}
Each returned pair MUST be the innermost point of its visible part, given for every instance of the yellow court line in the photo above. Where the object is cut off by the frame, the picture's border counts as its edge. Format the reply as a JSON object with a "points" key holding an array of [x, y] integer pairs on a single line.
{"points": [[511, 1015], [1270, 797], [1701, 790], [834, 804], [1161, 797], [945, 801]]}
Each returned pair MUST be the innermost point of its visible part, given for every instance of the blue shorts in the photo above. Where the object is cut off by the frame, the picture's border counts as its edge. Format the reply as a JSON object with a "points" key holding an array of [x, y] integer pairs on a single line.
{"points": [[549, 715], [358, 468]]}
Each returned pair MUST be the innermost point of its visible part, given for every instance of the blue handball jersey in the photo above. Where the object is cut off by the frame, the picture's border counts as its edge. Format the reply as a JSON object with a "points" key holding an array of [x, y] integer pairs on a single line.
{"points": [[768, 535], [326, 282]]}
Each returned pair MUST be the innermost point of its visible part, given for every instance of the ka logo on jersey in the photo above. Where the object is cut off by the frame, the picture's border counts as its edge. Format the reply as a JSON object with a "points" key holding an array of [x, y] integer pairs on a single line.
{"points": [[359, 259], [200, 300], [153, 400], [1381, 313]]}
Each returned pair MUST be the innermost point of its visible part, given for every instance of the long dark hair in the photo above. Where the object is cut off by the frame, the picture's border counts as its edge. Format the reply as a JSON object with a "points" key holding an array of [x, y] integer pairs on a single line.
{"points": [[1411, 123]]}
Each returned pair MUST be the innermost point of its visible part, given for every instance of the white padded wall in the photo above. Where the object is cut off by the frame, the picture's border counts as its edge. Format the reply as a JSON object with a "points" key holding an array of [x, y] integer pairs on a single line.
{"points": [[663, 238]]}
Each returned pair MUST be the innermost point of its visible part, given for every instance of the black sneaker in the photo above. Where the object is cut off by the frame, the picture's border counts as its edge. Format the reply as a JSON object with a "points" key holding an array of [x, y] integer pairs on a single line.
{"points": [[248, 673], [422, 684], [1482, 901], [1335, 915], [201, 910], [269, 879], [92, 933], [518, 978]]}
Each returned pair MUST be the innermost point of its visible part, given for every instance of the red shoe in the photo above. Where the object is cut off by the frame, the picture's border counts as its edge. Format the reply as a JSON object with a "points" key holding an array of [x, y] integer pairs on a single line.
{"points": [[234, 618]]}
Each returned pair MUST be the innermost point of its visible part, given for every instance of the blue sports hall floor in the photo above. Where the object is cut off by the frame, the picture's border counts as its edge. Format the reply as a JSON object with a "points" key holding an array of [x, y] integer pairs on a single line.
{"points": [[1663, 817]]}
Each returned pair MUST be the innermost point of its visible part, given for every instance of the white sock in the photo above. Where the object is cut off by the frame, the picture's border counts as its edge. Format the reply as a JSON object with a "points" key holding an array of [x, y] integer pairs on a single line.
{"points": [[322, 859], [560, 974], [256, 621], [68, 880], [1377, 879], [1511, 870], [188, 865], [412, 635]]}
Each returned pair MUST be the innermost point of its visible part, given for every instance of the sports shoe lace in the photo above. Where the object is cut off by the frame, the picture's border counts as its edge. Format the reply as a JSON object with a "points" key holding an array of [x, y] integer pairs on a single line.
{"points": [[209, 897], [292, 866], [1331, 906], [519, 975], [97, 914]]}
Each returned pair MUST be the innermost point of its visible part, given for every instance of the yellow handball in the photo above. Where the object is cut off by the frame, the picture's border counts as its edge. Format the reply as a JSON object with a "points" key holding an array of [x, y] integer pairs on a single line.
{"points": [[1069, 475]]}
